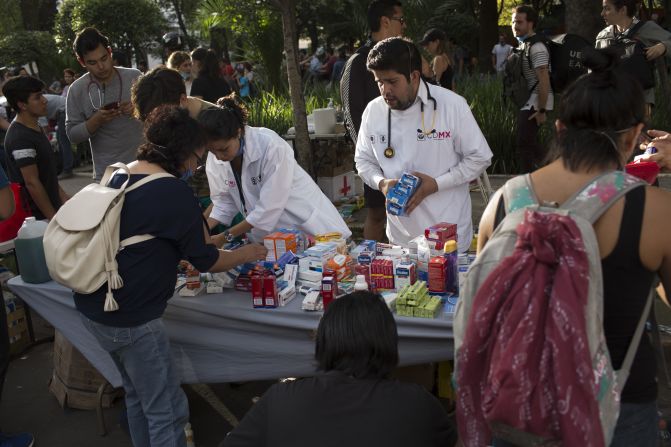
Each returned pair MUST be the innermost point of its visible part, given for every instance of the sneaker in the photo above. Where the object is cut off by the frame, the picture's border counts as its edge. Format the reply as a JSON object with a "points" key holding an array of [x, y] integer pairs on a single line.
{"points": [[20, 440], [65, 174]]}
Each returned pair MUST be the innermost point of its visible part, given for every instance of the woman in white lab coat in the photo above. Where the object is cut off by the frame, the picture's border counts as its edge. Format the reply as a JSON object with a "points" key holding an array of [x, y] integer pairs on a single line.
{"points": [[252, 170]]}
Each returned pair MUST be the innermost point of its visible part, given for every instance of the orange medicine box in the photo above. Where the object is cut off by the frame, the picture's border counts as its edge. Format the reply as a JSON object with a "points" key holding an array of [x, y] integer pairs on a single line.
{"points": [[284, 242]]}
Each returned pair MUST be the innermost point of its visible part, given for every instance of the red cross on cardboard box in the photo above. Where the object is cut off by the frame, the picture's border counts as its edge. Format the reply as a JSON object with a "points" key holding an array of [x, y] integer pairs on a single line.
{"points": [[345, 187]]}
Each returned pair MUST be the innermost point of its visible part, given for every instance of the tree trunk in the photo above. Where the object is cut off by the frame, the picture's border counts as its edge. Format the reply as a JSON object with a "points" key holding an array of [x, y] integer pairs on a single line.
{"points": [[302, 142], [177, 6], [583, 17], [488, 33]]}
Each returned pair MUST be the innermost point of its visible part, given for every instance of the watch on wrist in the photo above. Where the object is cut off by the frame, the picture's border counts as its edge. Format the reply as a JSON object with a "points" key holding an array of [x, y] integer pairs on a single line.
{"points": [[228, 237]]}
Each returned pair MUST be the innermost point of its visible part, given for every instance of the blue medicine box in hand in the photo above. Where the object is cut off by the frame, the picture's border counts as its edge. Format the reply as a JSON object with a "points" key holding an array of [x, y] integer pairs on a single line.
{"points": [[400, 194]]}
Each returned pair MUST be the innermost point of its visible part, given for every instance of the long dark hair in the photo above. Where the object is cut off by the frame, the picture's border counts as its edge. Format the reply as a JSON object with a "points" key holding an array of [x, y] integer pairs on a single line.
{"points": [[358, 336], [171, 136], [595, 110], [209, 63]]}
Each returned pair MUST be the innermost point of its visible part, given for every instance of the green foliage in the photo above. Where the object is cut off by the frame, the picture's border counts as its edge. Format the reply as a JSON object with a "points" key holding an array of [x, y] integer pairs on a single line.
{"points": [[129, 24], [10, 18], [21, 47], [496, 118], [258, 28]]}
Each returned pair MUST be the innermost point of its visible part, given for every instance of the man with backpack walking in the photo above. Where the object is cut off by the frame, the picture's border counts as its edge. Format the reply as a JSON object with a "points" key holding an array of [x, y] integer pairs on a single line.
{"points": [[536, 72]]}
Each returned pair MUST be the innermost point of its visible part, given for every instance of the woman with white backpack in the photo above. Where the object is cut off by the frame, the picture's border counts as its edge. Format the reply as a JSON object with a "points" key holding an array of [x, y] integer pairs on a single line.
{"points": [[600, 119], [134, 335]]}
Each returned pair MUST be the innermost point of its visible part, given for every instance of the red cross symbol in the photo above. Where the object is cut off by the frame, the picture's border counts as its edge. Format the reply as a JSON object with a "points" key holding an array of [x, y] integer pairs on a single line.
{"points": [[345, 187]]}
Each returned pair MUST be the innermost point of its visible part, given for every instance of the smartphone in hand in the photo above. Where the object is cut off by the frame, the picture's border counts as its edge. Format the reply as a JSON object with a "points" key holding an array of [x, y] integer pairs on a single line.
{"points": [[111, 106]]}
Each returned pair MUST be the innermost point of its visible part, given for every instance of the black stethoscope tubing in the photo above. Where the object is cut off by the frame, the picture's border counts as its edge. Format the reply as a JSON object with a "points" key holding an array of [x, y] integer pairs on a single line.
{"points": [[421, 105]]}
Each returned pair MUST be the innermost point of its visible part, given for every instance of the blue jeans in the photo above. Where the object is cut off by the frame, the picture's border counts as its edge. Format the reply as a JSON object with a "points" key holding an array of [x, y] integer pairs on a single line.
{"points": [[636, 426], [157, 407]]}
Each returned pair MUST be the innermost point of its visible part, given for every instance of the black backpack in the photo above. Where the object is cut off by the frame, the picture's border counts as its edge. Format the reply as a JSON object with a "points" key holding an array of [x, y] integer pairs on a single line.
{"points": [[632, 55], [565, 62]]}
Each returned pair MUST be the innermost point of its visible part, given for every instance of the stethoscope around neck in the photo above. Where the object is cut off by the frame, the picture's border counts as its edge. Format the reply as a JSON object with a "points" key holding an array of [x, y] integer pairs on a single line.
{"points": [[389, 151], [101, 91]]}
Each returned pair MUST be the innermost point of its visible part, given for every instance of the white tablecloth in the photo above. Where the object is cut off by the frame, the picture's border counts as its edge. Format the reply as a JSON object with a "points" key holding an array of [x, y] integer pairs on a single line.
{"points": [[221, 338]]}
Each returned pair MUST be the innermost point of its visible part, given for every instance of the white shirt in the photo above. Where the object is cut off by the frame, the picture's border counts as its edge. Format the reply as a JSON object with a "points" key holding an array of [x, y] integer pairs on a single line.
{"points": [[278, 193], [501, 52], [454, 154]]}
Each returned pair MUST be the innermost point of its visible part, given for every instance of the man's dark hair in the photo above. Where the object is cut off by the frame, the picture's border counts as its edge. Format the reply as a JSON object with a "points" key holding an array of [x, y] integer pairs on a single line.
{"points": [[395, 53], [87, 40], [209, 62], [69, 71], [595, 110], [529, 11], [19, 88], [224, 121], [357, 335], [157, 87], [378, 9], [631, 6], [171, 137]]}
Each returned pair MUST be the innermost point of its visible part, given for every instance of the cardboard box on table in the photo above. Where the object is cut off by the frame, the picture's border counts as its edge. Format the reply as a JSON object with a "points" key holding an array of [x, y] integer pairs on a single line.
{"points": [[75, 382], [341, 186]]}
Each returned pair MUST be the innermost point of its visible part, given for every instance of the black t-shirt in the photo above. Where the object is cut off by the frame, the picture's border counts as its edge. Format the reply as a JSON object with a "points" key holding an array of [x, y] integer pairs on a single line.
{"points": [[333, 409], [357, 89], [166, 209], [24, 147], [210, 89]]}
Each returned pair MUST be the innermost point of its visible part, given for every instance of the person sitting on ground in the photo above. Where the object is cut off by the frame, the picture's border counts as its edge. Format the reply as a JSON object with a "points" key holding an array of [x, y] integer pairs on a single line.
{"points": [[350, 402], [600, 119]]}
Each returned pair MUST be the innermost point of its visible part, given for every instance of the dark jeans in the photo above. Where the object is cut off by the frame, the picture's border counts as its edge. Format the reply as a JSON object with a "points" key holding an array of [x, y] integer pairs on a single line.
{"points": [[4, 343], [530, 153], [637, 426], [64, 143]]}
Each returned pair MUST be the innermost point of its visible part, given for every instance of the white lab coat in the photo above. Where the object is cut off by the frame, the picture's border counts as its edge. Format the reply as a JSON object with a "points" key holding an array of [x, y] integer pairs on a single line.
{"points": [[454, 154], [278, 193]]}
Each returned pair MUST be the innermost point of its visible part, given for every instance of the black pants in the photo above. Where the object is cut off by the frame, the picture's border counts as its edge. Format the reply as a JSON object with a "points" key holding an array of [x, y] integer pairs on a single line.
{"points": [[530, 153], [4, 343]]}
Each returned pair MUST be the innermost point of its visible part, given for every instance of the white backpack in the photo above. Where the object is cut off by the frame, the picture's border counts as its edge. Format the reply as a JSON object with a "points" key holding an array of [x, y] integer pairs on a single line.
{"points": [[478, 305], [82, 240]]}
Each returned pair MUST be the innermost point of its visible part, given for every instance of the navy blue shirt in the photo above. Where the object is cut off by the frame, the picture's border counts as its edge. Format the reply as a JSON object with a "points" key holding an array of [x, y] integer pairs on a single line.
{"points": [[166, 209]]}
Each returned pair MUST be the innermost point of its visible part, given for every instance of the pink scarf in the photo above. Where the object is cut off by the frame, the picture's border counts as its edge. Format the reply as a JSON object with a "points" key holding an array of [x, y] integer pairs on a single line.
{"points": [[525, 361]]}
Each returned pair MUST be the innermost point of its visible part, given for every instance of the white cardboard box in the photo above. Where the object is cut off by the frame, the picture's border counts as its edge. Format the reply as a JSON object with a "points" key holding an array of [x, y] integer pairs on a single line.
{"points": [[341, 186]]}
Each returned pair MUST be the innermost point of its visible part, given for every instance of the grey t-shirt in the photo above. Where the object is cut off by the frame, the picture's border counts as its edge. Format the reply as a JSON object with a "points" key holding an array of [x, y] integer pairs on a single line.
{"points": [[114, 141]]}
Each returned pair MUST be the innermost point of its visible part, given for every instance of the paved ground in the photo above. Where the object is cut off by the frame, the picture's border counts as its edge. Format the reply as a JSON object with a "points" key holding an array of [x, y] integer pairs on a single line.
{"points": [[28, 406]]}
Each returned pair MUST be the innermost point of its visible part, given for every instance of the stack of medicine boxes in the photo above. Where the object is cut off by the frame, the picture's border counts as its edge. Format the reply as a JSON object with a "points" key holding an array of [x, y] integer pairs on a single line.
{"points": [[398, 196]]}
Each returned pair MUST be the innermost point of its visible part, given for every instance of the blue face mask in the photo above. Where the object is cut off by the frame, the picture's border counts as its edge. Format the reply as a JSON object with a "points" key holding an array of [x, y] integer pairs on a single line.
{"points": [[241, 149], [186, 175], [185, 74], [521, 39]]}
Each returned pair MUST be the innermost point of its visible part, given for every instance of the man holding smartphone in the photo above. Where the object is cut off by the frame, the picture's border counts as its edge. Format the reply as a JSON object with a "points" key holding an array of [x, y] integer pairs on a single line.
{"points": [[98, 105]]}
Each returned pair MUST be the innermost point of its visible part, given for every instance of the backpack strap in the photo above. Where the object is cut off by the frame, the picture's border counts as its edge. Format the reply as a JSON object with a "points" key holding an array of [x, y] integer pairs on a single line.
{"points": [[111, 169], [633, 31], [623, 372], [600, 193], [518, 193], [141, 237]]}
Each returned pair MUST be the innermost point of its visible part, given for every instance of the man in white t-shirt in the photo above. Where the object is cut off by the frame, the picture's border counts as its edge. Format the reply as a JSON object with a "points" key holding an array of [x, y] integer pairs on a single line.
{"points": [[500, 53], [536, 70]]}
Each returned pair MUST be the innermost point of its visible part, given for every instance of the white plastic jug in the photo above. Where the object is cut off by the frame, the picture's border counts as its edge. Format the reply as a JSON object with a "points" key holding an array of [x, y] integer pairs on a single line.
{"points": [[325, 121], [30, 251]]}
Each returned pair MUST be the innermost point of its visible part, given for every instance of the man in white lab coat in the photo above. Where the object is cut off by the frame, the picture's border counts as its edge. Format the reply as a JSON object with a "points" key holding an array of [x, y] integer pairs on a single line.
{"points": [[423, 129]]}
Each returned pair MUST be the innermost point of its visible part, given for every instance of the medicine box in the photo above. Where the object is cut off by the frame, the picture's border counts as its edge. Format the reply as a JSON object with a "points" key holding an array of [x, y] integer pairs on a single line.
{"points": [[441, 232]]}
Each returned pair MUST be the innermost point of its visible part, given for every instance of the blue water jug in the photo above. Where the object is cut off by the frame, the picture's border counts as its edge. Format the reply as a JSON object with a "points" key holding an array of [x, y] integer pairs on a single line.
{"points": [[30, 251]]}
